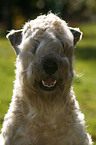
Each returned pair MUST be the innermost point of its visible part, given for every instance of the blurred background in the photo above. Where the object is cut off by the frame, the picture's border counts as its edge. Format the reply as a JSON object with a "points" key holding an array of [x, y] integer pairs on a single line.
{"points": [[14, 13], [77, 13]]}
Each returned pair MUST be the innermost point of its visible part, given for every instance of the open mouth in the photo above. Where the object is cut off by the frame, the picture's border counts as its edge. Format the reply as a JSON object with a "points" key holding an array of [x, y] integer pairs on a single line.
{"points": [[48, 84]]}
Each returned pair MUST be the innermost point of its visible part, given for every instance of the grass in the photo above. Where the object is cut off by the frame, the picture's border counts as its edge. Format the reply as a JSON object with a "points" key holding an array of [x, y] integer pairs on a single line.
{"points": [[6, 76], [85, 91], [84, 86]]}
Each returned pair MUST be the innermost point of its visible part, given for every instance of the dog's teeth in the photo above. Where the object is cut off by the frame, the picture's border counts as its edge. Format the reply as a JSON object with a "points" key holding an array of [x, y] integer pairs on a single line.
{"points": [[43, 82], [54, 82], [49, 86]]}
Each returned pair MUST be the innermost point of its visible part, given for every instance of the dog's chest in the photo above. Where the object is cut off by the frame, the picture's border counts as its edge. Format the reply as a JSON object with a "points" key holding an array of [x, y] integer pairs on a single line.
{"points": [[51, 132]]}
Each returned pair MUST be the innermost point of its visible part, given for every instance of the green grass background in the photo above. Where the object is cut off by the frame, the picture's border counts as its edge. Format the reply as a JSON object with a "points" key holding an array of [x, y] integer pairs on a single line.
{"points": [[84, 86]]}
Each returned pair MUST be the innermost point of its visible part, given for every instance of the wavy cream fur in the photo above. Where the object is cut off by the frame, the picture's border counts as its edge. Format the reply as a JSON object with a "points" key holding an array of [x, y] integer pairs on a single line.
{"points": [[35, 116]]}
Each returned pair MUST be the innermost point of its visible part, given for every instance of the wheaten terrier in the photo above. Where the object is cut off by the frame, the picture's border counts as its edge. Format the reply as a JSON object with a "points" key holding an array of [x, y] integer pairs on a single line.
{"points": [[43, 110]]}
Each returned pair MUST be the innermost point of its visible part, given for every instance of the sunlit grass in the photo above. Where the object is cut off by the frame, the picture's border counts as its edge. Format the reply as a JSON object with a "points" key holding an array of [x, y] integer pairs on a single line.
{"points": [[85, 90], [85, 86], [7, 59]]}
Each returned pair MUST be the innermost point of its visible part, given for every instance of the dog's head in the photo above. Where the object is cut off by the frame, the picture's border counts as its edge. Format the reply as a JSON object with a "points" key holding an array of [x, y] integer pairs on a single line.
{"points": [[45, 48]]}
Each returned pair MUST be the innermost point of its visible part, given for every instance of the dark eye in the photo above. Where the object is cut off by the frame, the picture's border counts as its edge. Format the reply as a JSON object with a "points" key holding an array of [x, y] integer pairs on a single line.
{"points": [[62, 44], [35, 47], [34, 50]]}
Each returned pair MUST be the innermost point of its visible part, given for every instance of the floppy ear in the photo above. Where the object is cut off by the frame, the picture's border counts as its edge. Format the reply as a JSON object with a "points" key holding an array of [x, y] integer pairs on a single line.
{"points": [[77, 34], [15, 38]]}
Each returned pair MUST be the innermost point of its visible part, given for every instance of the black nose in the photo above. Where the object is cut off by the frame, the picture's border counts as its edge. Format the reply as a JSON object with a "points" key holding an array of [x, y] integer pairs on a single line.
{"points": [[50, 67]]}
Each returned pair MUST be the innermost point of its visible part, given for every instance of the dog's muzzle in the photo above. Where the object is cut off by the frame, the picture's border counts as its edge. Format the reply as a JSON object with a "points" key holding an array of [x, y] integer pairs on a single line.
{"points": [[50, 67]]}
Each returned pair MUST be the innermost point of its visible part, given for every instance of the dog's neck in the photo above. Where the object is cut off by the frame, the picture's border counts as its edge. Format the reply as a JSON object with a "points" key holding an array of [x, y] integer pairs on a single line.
{"points": [[41, 106]]}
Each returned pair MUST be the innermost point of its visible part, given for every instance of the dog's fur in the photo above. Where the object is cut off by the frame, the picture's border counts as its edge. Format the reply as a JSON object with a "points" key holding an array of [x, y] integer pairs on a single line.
{"points": [[44, 110]]}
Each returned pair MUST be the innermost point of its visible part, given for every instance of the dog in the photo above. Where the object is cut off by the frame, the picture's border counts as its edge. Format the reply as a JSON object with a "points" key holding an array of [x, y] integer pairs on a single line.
{"points": [[44, 110]]}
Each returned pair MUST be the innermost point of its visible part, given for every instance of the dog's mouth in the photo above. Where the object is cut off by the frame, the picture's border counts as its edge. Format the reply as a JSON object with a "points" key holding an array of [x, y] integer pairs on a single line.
{"points": [[48, 85]]}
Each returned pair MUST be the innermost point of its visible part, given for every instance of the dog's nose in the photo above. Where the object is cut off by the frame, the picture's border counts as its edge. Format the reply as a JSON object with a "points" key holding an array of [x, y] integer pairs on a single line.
{"points": [[50, 67]]}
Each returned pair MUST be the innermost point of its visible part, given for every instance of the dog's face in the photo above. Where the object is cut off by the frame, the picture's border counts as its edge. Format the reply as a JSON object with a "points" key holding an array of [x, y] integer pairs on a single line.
{"points": [[45, 55]]}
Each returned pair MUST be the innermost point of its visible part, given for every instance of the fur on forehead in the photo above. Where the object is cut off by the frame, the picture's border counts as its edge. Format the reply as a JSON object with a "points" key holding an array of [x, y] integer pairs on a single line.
{"points": [[44, 22], [48, 24]]}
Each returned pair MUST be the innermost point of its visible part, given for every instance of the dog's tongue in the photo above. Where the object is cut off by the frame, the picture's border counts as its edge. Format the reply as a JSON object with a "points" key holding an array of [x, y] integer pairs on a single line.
{"points": [[49, 82]]}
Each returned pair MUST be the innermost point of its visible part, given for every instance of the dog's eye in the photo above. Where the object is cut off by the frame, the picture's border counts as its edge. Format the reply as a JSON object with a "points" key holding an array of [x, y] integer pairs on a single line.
{"points": [[35, 47], [62, 44], [34, 50]]}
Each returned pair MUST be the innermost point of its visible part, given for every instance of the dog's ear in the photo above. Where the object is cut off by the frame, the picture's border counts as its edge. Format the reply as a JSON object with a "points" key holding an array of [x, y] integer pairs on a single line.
{"points": [[77, 34], [15, 38]]}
